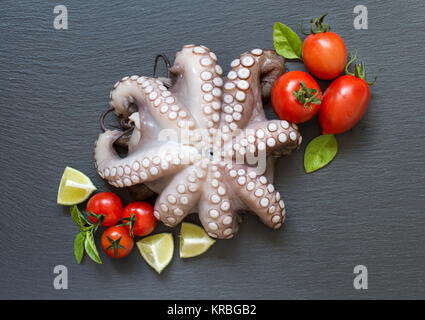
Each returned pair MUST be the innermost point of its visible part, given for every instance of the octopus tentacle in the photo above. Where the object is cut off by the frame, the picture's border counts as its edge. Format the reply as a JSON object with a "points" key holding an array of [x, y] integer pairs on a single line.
{"points": [[267, 137], [151, 94], [258, 194], [196, 70], [136, 168], [242, 101], [241, 90], [216, 209], [180, 196]]}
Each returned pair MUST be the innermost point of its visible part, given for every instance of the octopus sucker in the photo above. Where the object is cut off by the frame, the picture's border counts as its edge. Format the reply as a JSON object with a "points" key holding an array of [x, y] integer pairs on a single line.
{"points": [[253, 190], [191, 138], [178, 198], [217, 209], [270, 138]]}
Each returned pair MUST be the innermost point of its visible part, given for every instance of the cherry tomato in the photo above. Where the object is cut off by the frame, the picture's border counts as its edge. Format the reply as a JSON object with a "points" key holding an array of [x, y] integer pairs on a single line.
{"points": [[141, 218], [291, 94], [107, 204], [117, 242], [324, 55], [344, 104]]}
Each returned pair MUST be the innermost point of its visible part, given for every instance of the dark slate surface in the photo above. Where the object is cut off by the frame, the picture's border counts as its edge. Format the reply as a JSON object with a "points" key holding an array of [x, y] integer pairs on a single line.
{"points": [[367, 207]]}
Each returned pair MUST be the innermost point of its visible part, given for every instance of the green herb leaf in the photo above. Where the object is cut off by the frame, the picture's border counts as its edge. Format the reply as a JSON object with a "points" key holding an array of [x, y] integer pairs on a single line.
{"points": [[75, 214], [79, 219], [319, 152], [79, 246], [286, 42], [90, 247]]}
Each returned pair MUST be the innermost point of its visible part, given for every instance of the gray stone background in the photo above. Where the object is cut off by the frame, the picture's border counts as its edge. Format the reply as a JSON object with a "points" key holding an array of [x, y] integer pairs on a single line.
{"points": [[366, 207]]}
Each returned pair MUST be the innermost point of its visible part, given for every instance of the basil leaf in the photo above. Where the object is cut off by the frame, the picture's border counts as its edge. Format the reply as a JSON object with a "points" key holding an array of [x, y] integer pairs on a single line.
{"points": [[286, 42], [79, 246], [319, 152], [79, 219], [75, 214], [90, 247]]}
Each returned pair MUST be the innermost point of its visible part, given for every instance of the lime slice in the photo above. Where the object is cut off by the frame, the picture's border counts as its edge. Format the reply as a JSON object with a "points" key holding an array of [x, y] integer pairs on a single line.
{"points": [[157, 250], [74, 188], [193, 240]]}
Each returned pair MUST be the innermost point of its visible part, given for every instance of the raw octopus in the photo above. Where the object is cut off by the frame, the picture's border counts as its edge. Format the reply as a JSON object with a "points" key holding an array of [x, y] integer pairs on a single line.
{"points": [[201, 141]]}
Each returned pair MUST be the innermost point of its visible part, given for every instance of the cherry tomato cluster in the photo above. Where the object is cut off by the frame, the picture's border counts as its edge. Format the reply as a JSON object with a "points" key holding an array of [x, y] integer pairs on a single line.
{"points": [[297, 97], [136, 219]]}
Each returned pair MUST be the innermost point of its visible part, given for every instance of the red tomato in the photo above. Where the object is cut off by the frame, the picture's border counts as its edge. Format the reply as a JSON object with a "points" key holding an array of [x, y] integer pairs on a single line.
{"points": [[285, 103], [344, 104], [324, 55], [117, 242], [141, 213], [107, 204]]}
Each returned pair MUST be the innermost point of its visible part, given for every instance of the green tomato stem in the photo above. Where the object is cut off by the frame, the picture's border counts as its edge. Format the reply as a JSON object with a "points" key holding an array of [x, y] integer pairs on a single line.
{"points": [[317, 25], [130, 221], [307, 96], [359, 69], [115, 245]]}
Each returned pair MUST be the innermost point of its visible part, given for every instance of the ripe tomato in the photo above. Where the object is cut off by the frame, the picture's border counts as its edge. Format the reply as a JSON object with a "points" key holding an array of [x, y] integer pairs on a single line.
{"points": [[107, 204], [117, 242], [140, 217], [296, 96], [344, 104], [324, 55]]}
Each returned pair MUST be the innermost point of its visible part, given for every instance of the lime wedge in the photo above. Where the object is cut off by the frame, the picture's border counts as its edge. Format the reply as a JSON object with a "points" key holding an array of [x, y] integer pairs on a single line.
{"points": [[74, 188], [193, 240], [157, 250]]}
